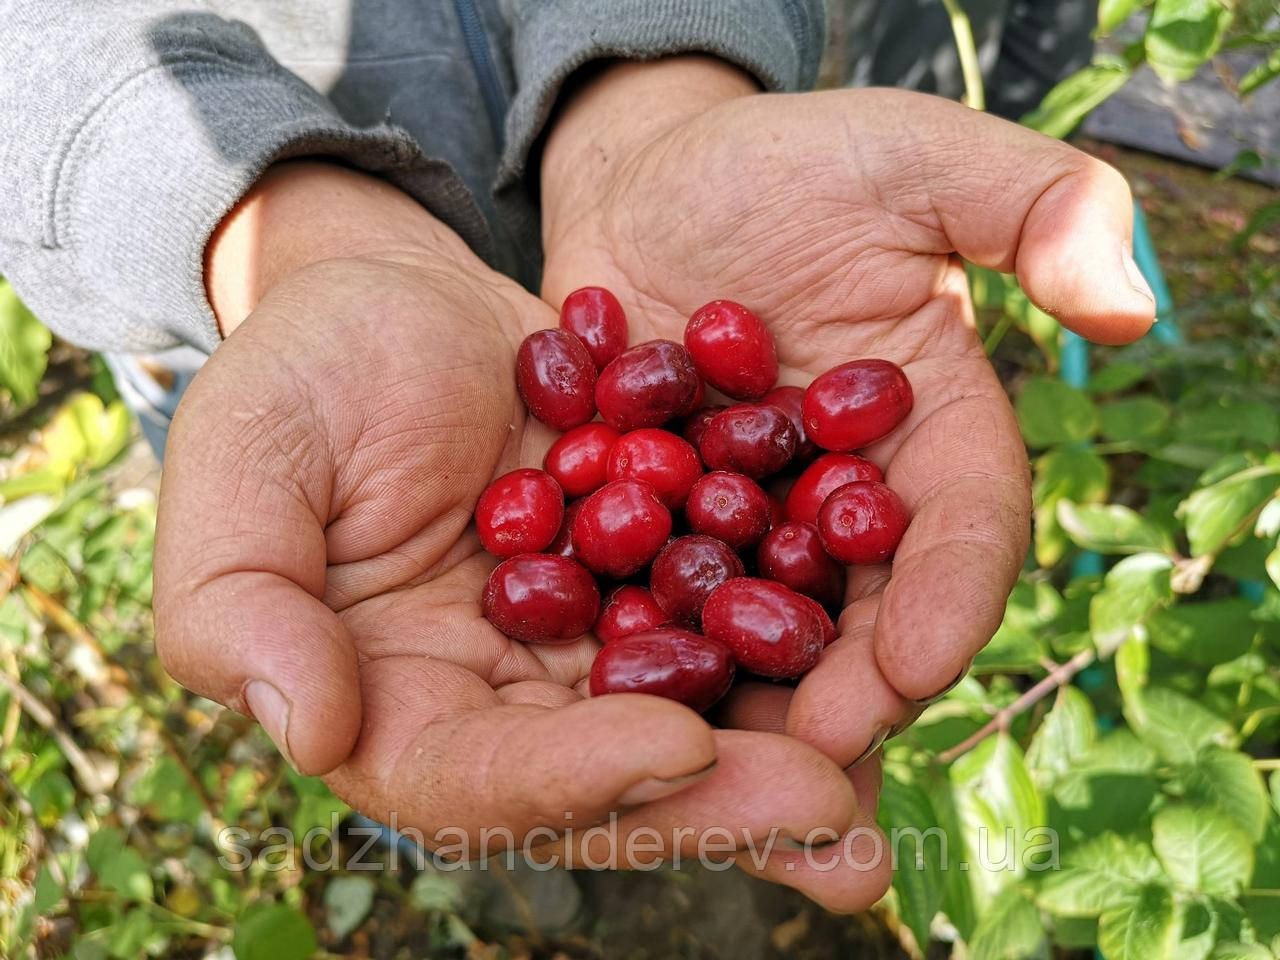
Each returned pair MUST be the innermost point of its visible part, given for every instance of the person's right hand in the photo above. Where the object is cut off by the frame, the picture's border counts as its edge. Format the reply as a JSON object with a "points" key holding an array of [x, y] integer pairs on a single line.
{"points": [[315, 567]]}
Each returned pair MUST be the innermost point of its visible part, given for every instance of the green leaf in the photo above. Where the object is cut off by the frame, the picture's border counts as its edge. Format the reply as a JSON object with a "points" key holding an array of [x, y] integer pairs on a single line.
{"points": [[166, 793], [118, 867], [1133, 419], [1263, 73], [1183, 34], [1112, 13], [1068, 732], [1077, 475], [1010, 929], [1098, 874], [1050, 412], [1261, 219], [1110, 528], [1273, 565], [1118, 375], [1144, 928], [24, 347], [1241, 951], [1227, 781], [1068, 103], [1202, 850], [1174, 725], [1131, 591], [47, 891], [906, 815], [432, 890], [347, 900], [1208, 633], [1217, 514], [273, 931]]}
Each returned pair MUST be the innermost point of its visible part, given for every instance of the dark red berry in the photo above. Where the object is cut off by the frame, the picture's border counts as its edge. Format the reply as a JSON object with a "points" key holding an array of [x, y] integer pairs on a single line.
{"points": [[667, 662], [562, 545], [792, 554], [663, 460], [687, 570], [862, 522], [829, 471], [628, 609], [579, 459], [697, 423], [520, 512], [540, 598], [647, 385], [620, 528], [556, 378], [771, 630], [732, 350], [856, 404], [824, 618], [729, 507], [595, 316], [789, 400], [750, 438]]}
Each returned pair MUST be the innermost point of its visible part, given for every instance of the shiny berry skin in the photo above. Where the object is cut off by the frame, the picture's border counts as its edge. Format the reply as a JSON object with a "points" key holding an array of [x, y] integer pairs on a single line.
{"points": [[824, 618], [540, 598], [732, 350], [771, 630], [729, 507], [628, 609], [829, 471], [667, 662], [862, 522], [647, 385], [562, 545], [856, 404], [556, 378], [687, 570], [792, 554], [579, 459], [697, 423], [663, 460], [620, 528], [595, 317], [789, 401], [520, 512], [750, 438]]}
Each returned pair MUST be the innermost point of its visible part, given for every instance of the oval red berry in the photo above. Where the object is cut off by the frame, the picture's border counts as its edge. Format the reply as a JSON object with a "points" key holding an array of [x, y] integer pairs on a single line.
{"points": [[771, 630], [595, 317], [855, 404], [792, 554], [666, 662], [556, 378], [729, 507], [579, 460], [750, 438], [663, 460], [862, 522], [620, 528], [628, 609], [540, 598], [686, 571], [647, 385], [829, 471], [520, 512], [732, 349]]}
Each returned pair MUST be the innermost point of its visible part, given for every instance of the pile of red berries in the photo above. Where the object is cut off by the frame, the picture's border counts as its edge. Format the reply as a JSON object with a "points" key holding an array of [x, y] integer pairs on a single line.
{"points": [[629, 478]]}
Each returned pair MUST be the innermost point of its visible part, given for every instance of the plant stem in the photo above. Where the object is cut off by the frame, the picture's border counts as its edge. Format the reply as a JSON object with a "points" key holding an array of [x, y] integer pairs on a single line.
{"points": [[196, 927], [1267, 763], [968, 53], [997, 334]]}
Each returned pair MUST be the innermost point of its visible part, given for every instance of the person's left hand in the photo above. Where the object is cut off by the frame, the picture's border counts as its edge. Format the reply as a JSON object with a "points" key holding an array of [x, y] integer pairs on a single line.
{"points": [[838, 218]]}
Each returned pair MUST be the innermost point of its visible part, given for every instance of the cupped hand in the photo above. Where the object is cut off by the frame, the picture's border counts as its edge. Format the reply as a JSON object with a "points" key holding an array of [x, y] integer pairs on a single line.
{"points": [[315, 566], [840, 218]]}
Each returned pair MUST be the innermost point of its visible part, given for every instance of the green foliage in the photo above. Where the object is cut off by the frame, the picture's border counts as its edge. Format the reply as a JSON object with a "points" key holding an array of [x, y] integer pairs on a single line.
{"points": [[24, 348]]}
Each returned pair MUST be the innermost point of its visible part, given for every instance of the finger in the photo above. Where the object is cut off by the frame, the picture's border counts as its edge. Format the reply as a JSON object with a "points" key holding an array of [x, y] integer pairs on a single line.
{"points": [[867, 778], [756, 706], [441, 754]]}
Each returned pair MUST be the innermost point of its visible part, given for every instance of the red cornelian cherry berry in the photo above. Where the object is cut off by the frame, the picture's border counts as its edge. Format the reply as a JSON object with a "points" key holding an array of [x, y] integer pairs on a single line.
{"points": [[772, 630], [686, 571], [829, 471], [855, 404], [595, 317], [562, 545], [663, 460], [579, 460], [620, 528], [666, 662], [732, 349], [647, 385], [792, 554], [697, 422], [540, 598], [824, 618], [862, 522], [729, 507], [556, 378], [789, 401], [520, 512], [628, 609], [750, 438]]}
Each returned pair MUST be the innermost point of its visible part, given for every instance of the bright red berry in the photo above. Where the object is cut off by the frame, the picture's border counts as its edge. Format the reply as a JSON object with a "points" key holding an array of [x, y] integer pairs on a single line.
{"points": [[824, 618], [562, 545], [792, 554], [771, 630], [789, 401], [686, 571], [856, 404], [556, 378], [628, 609], [659, 458], [750, 438], [862, 522], [732, 349], [595, 316], [540, 598], [667, 662], [729, 507], [697, 422], [620, 528], [579, 459], [829, 471], [647, 385], [519, 512]]}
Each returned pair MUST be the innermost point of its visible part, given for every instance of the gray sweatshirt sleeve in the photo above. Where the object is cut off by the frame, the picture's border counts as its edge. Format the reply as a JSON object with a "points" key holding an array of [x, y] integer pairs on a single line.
{"points": [[127, 131], [778, 41]]}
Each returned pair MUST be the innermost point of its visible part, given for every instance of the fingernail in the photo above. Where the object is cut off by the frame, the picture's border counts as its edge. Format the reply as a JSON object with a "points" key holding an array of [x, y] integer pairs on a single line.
{"points": [[881, 736], [655, 788], [1136, 279], [945, 690], [791, 843], [271, 709]]}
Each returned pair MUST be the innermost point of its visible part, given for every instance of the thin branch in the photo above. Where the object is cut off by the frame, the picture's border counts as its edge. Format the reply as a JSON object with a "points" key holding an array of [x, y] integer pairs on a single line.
{"points": [[967, 50], [81, 764]]}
